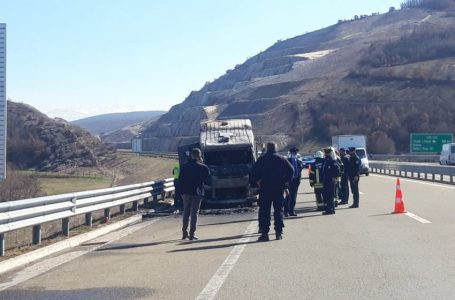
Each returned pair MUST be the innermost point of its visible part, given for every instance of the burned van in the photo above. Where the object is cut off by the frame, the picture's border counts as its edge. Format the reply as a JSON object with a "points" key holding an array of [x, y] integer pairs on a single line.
{"points": [[228, 149]]}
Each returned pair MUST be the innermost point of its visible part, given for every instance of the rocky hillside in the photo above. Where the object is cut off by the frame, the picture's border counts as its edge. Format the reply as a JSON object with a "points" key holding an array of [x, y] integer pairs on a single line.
{"points": [[108, 123], [382, 75], [36, 141], [121, 138]]}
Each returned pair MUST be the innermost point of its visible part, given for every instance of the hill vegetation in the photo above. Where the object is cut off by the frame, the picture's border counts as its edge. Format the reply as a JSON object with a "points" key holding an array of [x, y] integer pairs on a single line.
{"points": [[38, 142], [429, 4]]}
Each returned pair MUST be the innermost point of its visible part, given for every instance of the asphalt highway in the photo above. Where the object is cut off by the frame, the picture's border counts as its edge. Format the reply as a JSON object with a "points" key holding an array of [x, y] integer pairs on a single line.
{"points": [[364, 253]]}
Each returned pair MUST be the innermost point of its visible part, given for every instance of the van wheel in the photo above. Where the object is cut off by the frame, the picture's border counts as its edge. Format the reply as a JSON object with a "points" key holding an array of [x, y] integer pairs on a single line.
{"points": [[367, 174]]}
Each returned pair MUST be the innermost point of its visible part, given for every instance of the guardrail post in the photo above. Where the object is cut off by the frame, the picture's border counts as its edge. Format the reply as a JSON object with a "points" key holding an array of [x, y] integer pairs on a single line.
{"points": [[155, 198], [451, 179], [135, 206], [37, 234], [163, 195], [2, 244], [433, 177], [66, 226], [107, 213], [88, 219], [122, 209]]}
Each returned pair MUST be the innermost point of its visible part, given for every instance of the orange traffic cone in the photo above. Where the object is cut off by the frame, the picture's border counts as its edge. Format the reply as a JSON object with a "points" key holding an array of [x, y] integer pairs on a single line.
{"points": [[399, 204]]}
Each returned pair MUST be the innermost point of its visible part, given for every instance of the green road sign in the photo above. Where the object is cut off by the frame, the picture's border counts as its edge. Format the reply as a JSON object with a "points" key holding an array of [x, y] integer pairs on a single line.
{"points": [[429, 142]]}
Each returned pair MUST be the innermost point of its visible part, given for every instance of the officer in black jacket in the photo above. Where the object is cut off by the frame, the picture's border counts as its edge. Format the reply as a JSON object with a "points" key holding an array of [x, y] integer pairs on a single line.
{"points": [[344, 190], [193, 175], [272, 173], [353, 171], [330, 171]]}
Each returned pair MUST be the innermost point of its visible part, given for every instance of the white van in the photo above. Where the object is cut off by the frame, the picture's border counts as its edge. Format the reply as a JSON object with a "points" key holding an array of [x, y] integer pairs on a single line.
{"points": [[447, 156]]}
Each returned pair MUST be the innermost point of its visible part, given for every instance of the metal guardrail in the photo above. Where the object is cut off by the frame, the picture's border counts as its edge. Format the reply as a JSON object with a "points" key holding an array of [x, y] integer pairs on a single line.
{"points": [[442, 174], [159, 154], [36, 211], [405, 157]]}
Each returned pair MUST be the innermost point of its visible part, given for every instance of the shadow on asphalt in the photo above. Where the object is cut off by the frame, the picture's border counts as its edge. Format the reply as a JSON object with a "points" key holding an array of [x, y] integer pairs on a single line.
{"points": [[212, 247], [132, 246], [228, 222], [226, 238], [381, 215], [79, 294]]}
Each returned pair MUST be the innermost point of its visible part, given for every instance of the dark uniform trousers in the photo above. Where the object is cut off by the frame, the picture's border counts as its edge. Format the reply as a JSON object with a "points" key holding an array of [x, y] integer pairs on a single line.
{"points": [[292, 199], [178, 202], [269, 198], [344, 189], [328, 196], [319, 197], [355, 189]]}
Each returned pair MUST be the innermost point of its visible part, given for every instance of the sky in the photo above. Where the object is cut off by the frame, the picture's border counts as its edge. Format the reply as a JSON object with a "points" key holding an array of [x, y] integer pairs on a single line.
{"points": [[74, 58]]}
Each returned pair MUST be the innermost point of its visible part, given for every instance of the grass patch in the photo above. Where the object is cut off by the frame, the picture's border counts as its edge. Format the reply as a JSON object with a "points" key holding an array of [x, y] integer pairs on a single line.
{"points": [[67, 184], [55, 183]]}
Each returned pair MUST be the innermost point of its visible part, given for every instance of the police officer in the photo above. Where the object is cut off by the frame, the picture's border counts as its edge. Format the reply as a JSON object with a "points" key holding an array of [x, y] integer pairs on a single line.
{"points": [[315, 176], [354, 175], [273, 173], [177, 194], [344, 184], [297, 164], [330, 171]]}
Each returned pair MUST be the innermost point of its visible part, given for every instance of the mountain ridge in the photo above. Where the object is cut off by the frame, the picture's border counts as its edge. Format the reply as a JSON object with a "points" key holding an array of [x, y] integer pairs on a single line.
{"points": [[307, 88]]}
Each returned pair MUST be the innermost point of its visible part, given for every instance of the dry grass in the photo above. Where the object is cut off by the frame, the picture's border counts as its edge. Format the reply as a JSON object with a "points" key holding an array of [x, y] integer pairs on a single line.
{"points": [[131, 168], [66, 184]]}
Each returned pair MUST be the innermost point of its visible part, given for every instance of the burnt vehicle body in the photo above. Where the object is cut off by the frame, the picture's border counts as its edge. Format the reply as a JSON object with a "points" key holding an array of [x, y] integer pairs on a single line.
{"points": [[228, 149]]}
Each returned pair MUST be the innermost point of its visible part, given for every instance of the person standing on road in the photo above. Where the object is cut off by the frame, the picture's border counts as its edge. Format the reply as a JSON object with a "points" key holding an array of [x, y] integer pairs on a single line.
{"points": [[273, 173], [344, 185], [192, 177], [315, 177], [290, 201], [354, 175], [177, 192], [330, 171]]}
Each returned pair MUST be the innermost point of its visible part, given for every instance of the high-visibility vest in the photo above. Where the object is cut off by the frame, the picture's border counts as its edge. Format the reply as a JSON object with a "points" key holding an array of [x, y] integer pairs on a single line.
{"points": [[317, 184], [176, 171]]}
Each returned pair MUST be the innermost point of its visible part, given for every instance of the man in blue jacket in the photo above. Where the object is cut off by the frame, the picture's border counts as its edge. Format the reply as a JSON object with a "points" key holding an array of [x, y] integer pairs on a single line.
{"points": [[272, 173], [192, 177], [291, 200]]}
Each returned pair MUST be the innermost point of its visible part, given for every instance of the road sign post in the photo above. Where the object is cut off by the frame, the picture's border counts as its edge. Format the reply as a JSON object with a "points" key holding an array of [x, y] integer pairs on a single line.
{"points": [[429, 142], [3, 110]]}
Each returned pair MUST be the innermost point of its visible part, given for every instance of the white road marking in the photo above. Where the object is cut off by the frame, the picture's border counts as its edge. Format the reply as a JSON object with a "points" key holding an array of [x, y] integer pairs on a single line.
{"points": [[414, 181], [217, 280], [51, 263], [417, 218]]}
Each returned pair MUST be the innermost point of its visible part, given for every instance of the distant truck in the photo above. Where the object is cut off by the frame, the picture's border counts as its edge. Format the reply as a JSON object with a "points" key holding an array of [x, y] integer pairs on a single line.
{"points": [[228, 149], [357, 141]]}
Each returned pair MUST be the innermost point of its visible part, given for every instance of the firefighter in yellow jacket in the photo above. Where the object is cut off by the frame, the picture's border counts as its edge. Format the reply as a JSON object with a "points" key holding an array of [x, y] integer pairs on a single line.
{"points": [[315, 176]]}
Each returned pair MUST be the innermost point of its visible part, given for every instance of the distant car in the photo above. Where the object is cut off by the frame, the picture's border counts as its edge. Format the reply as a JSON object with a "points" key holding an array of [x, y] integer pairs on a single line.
{"points": [[307, 160]]}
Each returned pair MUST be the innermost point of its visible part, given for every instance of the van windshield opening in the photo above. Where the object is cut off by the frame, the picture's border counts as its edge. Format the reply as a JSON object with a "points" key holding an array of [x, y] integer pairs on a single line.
{"points": [[360, 153], [229, 157]]}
